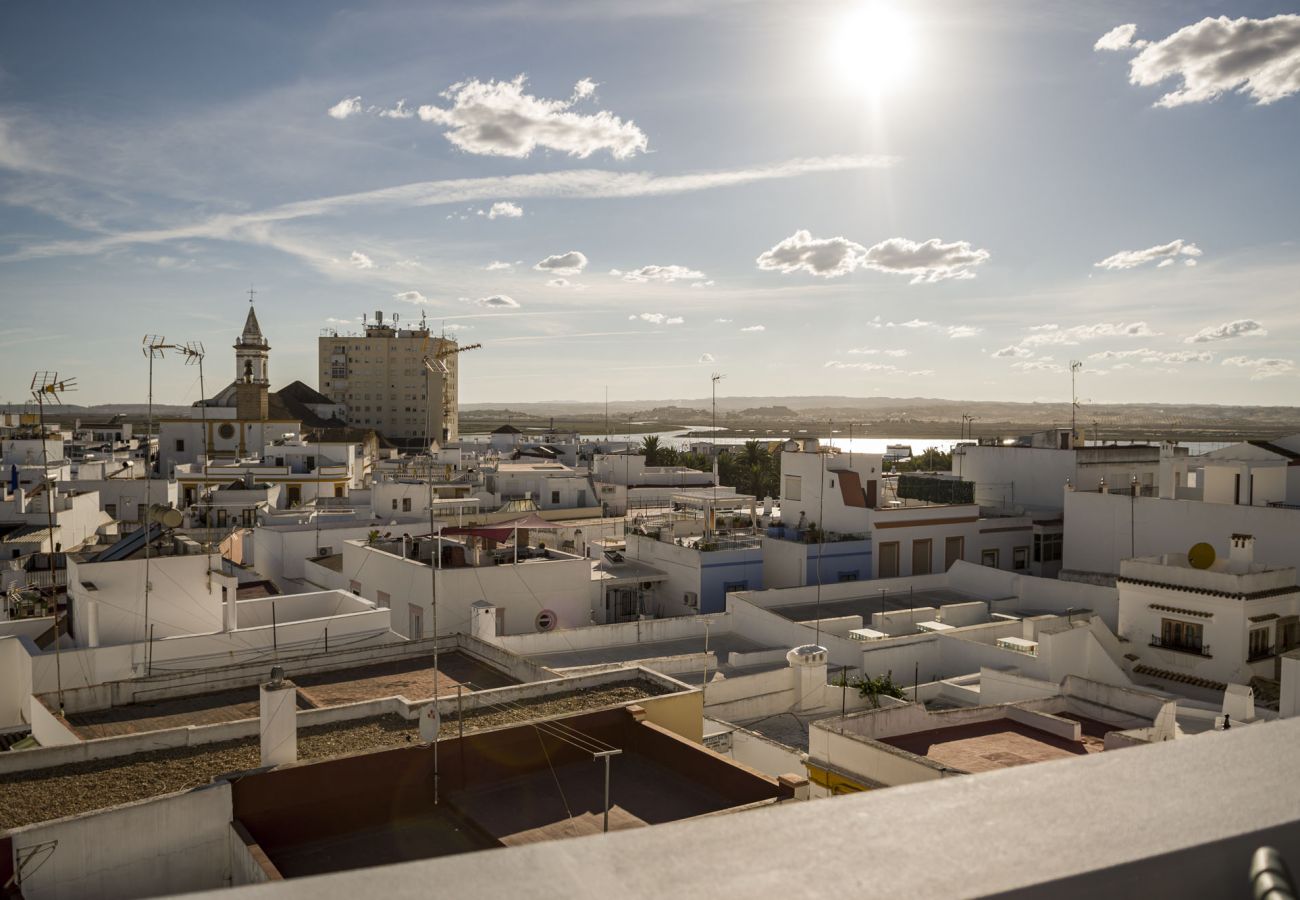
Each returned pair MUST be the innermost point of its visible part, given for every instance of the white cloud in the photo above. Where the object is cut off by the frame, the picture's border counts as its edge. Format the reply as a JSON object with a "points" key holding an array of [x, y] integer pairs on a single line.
{"points": [[570, 263], [872, 351], [754, 328], [1053, 334], [1166, 253], [411, 297], [1118, 38], [497, 118], [702, 284], [707, 358], [348, 106], [1263, 367], [498, 301], [361, 261], [963, 331], [1013, 352], [457, 326], [1256, 57], [722, 321], [1150, 357], [824, 257], [499, 266], [584, 89], [400, 111], [1039, 365], [927, 262], [658, 319], [1227, 331], [862, 366], [504, 209], [559, 283], [659, 273], [910, 323]]}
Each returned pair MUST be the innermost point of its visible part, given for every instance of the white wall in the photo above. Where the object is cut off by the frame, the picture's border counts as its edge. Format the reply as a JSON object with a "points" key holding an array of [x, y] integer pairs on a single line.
{"points": [[183, 598], [167, 845], [1102, 529]]}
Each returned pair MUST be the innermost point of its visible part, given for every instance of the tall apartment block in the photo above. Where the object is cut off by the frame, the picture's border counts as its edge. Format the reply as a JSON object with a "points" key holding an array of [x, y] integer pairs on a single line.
{"points": [[381, 378]]}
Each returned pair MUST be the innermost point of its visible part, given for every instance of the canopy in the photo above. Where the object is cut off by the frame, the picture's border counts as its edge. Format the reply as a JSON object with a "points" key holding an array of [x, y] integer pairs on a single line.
{"points": [[503, 531]]}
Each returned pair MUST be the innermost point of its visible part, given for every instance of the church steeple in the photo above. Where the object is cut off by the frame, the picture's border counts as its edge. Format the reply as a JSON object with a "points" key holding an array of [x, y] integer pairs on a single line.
{"points": [[252, 379]]}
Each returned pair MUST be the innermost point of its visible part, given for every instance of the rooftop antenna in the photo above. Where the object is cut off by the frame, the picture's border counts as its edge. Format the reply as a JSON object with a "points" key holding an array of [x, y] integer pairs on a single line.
{"points": [[193, 352], [46, 387], [154, 346], [1075, 366], [713, 435]]}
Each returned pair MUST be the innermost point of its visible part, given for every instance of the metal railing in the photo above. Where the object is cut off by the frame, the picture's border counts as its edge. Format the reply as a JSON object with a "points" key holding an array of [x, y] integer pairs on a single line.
{"points": [[1193, 649]]}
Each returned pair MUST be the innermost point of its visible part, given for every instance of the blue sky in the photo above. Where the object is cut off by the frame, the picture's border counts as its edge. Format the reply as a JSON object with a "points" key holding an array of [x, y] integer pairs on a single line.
{"points": [[959, 220]]}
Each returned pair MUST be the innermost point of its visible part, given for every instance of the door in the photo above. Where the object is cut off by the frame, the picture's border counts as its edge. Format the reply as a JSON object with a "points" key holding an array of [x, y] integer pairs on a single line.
{"points": [[415, 623], [953, 550], [889, 560], [922, 553]]}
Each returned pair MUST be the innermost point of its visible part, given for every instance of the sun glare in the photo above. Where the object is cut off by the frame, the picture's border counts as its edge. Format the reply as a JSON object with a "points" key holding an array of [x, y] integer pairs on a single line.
{"points": [[873, 47]]}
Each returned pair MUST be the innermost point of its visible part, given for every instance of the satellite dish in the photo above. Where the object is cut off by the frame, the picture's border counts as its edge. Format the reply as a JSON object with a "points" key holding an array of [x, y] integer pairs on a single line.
{"points": [[430, 723], [1201, 556]]}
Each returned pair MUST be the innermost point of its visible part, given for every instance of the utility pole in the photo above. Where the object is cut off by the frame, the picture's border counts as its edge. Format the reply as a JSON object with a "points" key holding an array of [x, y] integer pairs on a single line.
{"points": [[1075, 366], [155, 346]]}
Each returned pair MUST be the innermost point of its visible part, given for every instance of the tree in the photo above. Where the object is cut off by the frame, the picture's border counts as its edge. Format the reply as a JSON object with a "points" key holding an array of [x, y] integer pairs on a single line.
{"points": [[650, 447]]}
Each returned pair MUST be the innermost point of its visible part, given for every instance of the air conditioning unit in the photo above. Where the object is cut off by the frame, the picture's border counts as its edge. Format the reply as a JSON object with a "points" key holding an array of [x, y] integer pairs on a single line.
{"points": [[691, 599]]}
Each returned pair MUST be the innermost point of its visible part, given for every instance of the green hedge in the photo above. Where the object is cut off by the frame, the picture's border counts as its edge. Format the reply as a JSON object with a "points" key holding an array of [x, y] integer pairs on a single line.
{"points": [[935, 490]]}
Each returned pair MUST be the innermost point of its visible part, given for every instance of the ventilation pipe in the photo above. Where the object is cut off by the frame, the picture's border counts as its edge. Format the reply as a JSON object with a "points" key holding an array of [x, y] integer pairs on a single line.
{"points": [[279, 720]]}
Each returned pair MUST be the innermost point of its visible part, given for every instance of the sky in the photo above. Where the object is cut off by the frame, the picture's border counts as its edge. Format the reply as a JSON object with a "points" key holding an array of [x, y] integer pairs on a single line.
{"points": [[948, 199]]}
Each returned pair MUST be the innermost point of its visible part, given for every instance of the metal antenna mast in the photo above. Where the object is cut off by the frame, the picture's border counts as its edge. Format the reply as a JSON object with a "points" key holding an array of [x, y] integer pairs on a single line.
{"points": [[1075, 366], [713, 436], [48, 386], [193, 353], [154, 346]]}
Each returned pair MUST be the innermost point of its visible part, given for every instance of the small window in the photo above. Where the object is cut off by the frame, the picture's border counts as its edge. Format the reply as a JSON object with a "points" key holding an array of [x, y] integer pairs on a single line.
{"points": [[406, 504], [383, 599], [1020, 558], [226, 431], [394, 503], [733, 586], [555, 497], [546, 620], [354, 586], [180, 446], [851, 575], [111, 509], [793, 488], [989, 558]]}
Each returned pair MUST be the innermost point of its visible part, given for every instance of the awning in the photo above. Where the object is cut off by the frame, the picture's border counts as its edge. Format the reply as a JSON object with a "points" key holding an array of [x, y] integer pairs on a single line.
{"points": [[504, 531]]}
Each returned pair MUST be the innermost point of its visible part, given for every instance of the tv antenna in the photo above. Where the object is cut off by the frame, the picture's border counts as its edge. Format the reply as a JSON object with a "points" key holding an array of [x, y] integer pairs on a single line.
{"points": [[47, 388], [1075, 366]]}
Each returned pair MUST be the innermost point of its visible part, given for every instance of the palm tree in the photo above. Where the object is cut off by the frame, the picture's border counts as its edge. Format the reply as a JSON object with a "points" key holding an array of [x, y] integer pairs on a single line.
{"points": [[650, 447]]}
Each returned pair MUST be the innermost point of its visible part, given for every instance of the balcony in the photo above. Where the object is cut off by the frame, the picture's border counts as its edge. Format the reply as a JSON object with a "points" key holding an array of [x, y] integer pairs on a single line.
{"points": [[1260, 653], [1202, 650]]}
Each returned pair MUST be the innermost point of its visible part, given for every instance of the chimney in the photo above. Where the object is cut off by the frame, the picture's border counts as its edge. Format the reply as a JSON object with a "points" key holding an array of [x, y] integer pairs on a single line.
{"points": [[1242, 556], [483, 621], [279, 720]]}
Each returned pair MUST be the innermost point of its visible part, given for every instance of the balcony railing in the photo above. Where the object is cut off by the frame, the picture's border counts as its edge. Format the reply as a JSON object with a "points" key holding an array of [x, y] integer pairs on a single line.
{"points": [[1261, 653], [1194, 650]]}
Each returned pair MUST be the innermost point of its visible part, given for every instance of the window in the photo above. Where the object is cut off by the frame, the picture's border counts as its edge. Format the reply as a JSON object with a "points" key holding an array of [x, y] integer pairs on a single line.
{"points": [[1176, 634], [180, 446], [394, 503], [226, 431], [383, 599], [1020, 558], [732, 586], [555, 497], [851, 575], [1047, 547], [954, 548], [546, 620], [793, 491], [989, 558], [1260, 645], [111, 510], [294, 494], [406, 504], [354, 586]]}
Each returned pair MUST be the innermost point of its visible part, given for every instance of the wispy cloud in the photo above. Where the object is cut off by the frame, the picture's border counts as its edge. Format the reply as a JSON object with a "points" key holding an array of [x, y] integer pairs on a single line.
{"points": [[1227, 331], [361, 260], [504, 209], [256, 227], [348, 106], [1262, 367], [753, 328], [570, 263], [666, 274], [498, 301], [411, 297], [1167, 254], [657, 319]]}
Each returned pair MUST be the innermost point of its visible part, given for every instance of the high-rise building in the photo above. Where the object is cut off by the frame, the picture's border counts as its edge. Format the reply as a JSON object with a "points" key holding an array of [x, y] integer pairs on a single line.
{"points": [[381, 378]]}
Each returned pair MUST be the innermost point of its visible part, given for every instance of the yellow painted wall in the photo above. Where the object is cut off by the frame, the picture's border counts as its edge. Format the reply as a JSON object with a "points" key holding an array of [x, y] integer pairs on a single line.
{"points": [[682, 714]]}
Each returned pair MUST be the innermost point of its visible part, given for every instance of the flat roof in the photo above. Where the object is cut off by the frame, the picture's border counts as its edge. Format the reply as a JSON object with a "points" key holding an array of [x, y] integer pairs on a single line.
{"points": [[411, 677], [999, 744], [868, 604], [720, 644]]}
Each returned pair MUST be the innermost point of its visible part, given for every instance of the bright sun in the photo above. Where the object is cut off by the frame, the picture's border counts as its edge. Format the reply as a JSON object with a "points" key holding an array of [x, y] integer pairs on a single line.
{"points": [[873, 47]]}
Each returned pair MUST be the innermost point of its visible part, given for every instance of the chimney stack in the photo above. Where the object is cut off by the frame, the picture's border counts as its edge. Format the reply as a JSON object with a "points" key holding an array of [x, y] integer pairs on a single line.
{"points": [[279, 720], [1242, 556]]}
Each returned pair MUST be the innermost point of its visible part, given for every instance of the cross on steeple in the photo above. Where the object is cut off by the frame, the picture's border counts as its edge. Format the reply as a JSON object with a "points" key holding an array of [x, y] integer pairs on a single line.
{"points": [[251, 292]]}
